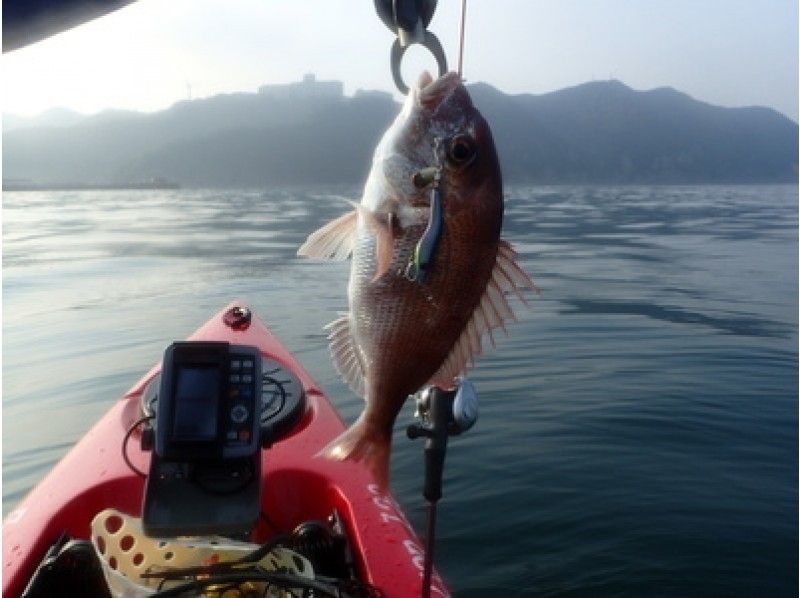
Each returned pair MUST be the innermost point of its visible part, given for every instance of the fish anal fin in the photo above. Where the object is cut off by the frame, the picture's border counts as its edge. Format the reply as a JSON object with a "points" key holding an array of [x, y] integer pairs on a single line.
{"points": [[491, 313], [333, 240], [512, 270], [344, 352]]}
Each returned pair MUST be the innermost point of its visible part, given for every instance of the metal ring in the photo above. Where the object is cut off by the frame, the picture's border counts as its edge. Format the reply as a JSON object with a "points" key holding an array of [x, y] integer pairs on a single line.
{"points": [[431, 42]]}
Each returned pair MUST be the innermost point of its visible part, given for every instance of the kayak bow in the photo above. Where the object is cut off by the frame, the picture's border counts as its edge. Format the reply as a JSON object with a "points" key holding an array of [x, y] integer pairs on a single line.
{"points": [[297, 486]]}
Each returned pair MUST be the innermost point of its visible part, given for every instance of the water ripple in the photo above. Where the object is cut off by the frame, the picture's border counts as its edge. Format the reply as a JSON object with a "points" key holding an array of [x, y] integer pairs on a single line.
{"points": [[638, 431], [745, 326]]}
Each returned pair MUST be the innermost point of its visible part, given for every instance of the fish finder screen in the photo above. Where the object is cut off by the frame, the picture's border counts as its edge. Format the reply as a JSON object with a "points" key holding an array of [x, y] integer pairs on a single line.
{"points": [[196, 403]]}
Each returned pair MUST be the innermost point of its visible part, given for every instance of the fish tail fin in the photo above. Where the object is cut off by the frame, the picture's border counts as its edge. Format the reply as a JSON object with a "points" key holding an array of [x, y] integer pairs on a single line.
{"points": [[364, 443]]}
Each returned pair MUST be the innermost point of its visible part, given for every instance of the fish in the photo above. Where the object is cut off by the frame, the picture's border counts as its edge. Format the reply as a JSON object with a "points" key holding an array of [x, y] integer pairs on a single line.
{"points": [[434, 188]]}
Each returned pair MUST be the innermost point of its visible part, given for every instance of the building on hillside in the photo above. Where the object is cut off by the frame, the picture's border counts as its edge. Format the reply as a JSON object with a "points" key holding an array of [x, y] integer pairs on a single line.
{"points": [[308, 88]]}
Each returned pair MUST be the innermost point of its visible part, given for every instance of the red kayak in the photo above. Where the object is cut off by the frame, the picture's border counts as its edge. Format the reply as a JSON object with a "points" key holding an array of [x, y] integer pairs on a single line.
{"points": [[296, 485]]}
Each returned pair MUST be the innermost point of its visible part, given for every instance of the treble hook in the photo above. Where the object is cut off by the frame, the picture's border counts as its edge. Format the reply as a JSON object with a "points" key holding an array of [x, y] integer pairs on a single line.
{"points": [[408, 20]]}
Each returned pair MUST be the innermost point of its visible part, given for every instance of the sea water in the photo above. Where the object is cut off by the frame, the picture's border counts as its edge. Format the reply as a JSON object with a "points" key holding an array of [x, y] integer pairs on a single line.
{"points": [[638, 428]]}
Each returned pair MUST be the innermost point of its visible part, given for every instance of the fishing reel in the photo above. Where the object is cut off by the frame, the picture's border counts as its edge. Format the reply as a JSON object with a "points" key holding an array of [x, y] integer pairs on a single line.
{"points": [[440, 414], [460, 417]]}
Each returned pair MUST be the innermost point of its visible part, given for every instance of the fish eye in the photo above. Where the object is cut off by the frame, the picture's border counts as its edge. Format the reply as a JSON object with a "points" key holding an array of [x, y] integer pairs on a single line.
{"points": [[461, 150]]}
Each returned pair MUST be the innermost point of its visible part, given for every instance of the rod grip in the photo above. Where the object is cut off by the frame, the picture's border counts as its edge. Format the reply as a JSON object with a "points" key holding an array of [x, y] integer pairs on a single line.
{"points": [[441, 413]]}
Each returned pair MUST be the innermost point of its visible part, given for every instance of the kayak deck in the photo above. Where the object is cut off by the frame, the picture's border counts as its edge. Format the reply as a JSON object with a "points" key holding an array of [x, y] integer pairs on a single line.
{"points": [[297, 485]]}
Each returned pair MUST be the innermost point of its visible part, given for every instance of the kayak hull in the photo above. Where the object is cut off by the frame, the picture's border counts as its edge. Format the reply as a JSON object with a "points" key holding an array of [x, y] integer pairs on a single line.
{"points": [[298, 485]]}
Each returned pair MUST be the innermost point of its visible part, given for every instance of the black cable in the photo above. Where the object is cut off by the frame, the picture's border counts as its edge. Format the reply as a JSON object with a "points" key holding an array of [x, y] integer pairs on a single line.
{"points": [[125, 440], [269, 522], [263, 550], [221, 568], [214, 572], [279, 579]]}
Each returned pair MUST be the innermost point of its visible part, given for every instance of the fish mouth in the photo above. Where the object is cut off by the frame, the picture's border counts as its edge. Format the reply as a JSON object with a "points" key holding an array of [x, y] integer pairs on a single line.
{"points": [[431, 93]]}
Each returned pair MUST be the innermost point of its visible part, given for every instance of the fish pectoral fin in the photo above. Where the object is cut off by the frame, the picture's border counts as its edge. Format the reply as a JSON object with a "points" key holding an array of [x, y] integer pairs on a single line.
{"points": [[492, 312], [334, 240], [346, 358], [385, 227]]}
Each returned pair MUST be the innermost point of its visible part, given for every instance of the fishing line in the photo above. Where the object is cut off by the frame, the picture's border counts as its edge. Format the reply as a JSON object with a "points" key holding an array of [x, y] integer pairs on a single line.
{"points": [[461, 39]]}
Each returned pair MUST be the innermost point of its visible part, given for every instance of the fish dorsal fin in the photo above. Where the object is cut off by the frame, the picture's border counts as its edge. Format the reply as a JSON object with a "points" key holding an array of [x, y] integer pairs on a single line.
{"points": [[492, 312], [346, 357], [334, 240]]}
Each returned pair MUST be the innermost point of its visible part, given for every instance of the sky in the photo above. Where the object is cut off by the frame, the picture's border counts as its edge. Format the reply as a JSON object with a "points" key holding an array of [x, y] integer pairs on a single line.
{"points": [[153, 53]]}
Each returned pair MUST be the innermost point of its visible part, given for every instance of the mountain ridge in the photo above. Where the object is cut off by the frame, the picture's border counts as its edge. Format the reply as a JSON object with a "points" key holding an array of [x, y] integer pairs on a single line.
{"points": [[598, 131]]}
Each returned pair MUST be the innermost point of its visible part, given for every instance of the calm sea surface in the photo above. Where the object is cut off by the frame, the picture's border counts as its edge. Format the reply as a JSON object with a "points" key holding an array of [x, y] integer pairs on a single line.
{"points": [[638, 432]]}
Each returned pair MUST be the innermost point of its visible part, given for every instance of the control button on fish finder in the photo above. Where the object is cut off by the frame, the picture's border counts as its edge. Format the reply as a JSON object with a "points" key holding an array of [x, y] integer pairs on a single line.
{"points": [[239, 414]]}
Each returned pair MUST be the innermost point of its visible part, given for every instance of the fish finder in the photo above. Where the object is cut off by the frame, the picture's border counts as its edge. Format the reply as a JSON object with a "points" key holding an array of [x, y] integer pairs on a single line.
{"points": [[207, 402], [205, 471]]}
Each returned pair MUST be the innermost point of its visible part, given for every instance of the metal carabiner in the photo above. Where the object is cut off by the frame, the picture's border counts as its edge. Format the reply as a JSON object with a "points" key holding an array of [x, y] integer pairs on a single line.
{"points": [[408, 20], [431, 42]]}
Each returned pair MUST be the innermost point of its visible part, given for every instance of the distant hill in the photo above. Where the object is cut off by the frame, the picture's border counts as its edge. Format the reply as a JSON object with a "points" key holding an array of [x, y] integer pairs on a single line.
{"points": [[596, 132], [606, 132], [55, 117]]}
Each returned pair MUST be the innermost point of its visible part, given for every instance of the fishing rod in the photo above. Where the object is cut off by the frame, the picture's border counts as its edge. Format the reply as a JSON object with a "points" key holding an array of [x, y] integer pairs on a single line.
{"points": [[440, 414]]}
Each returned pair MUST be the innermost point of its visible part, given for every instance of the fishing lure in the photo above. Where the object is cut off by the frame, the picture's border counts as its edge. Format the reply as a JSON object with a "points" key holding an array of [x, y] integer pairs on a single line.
{"points": [[419, 267]]}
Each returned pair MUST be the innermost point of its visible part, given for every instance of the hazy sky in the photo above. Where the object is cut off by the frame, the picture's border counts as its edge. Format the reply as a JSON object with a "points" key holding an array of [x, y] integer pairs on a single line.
{"points": [[143, 57]]}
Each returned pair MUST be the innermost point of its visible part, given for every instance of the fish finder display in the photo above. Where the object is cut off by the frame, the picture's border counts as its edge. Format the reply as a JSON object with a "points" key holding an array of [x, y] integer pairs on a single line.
{"points": [[196, 403], [209, 402]]}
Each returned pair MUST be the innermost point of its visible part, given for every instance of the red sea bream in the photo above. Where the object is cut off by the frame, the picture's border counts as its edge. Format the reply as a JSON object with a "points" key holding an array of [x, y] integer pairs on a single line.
{"points": [[404, 332]]}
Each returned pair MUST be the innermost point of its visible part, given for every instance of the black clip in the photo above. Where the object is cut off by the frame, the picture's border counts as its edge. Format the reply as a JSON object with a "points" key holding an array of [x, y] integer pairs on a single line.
{"points": [[408, 20]]}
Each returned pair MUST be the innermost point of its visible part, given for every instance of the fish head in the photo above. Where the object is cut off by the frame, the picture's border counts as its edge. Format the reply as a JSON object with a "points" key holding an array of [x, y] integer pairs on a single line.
{"points": [[439, 127]]}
